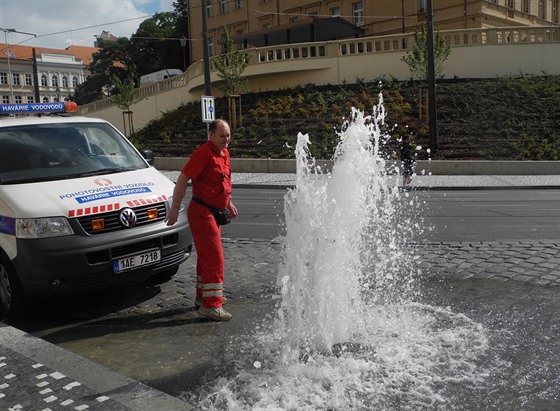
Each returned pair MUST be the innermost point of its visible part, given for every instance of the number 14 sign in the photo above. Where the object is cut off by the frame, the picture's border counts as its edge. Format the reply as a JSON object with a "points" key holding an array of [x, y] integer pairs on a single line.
{"points": [[208, 111]]}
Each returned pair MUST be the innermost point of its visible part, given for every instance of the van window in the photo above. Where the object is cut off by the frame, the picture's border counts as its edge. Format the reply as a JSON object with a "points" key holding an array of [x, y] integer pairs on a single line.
{"points": [[43, 152]]}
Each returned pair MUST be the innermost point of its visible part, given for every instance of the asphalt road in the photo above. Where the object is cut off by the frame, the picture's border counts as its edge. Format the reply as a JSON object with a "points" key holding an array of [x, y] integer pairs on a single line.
{"points": [[462, 215]]}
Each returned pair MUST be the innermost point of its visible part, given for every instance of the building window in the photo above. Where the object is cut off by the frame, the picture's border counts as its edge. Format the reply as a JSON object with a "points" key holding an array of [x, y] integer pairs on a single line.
{"points": [[28, 79], [223, 6], [17, 99], [239, 4], [208, 8], [74, 81], [44, 81], [525, 6], [335, 11], [5, 99], [240, 45], [16, 79], [555, 11], [511, 4], [29, 99], [211, 49], [54, 81], [293, 19], [64, 81], [542, 9], [421, 5], [3, 78], [358, 13], [45, 99]]}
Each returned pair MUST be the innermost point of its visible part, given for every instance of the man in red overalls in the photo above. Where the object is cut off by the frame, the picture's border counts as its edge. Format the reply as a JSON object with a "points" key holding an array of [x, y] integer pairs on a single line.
{"points": [[210, 172]]}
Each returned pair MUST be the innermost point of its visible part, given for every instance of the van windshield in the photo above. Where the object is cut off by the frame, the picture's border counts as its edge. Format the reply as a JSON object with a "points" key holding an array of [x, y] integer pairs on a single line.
{"points": [[44, 152]]}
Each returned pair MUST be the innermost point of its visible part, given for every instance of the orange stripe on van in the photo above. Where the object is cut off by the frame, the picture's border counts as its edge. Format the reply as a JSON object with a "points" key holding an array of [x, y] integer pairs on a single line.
{"points": [[80, 212]]}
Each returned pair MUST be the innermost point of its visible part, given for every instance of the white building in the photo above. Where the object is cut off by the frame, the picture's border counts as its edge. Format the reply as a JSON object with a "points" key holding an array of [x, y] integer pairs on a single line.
{"points": [[59, 72]]}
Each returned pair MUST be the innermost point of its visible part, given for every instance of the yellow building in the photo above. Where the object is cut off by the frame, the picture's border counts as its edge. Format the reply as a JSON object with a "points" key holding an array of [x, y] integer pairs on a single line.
{"points": [[258, 23]]}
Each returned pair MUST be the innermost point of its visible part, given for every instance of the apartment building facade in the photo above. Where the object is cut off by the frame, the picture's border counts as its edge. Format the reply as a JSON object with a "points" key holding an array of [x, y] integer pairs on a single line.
{"points": [[59, 72], [258, 23]]}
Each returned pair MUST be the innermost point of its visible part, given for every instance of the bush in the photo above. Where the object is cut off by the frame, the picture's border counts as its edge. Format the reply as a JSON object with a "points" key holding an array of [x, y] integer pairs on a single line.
{"points": [[503, 118]]}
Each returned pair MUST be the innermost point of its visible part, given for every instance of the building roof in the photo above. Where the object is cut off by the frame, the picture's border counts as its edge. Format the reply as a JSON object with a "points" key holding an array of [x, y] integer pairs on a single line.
{"points": [[18, 52], [303, 31]]}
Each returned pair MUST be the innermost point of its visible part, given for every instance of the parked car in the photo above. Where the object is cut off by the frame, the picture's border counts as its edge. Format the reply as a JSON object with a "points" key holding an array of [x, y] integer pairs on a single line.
{"points": [[80, 209]]}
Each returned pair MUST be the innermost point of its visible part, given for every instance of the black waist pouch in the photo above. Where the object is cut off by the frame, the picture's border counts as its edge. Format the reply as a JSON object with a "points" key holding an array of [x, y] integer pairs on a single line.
{"points": [[221, 215]]}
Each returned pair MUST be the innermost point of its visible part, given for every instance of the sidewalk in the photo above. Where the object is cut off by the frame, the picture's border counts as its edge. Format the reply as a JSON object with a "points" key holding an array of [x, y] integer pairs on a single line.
{"points": [[435, 182], [37, 375]]}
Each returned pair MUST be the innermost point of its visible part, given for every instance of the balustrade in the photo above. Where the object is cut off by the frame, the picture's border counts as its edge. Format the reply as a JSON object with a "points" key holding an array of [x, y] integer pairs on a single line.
{"points": [[352, 47]]}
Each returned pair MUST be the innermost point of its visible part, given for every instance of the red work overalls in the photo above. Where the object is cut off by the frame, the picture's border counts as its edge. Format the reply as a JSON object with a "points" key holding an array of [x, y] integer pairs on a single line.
{"points": [[211, 181]]}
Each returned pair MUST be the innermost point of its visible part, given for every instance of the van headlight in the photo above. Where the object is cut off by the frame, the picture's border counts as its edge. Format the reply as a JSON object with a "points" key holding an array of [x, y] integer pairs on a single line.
{"points": [[42, 227]]}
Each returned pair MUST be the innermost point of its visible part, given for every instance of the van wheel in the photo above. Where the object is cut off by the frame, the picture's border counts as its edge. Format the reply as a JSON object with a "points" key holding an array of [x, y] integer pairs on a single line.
{"points": [[12, 299]]}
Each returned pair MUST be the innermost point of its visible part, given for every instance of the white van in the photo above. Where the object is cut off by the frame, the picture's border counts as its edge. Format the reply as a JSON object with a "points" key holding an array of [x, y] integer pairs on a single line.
{"points": [[80, 209], [159, 76]]}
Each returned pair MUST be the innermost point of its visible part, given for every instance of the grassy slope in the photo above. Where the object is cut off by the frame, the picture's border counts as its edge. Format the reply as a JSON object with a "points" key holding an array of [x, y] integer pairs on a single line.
{"points": [[506, 118]]}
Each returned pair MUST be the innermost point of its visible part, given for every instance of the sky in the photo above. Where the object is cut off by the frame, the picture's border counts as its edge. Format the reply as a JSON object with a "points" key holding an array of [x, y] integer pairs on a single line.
{"points": [[62, 23]]}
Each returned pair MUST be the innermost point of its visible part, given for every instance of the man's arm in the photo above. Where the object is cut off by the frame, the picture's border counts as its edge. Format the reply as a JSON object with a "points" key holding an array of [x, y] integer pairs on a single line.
{"points": [[178, 194]]}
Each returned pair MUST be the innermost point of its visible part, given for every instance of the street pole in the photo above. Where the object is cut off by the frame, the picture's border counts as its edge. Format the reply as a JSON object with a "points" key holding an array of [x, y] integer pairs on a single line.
{"points": [[432, 103], [183, 41], [403, 24], [36, 78], [206, 50], [11, 77]]}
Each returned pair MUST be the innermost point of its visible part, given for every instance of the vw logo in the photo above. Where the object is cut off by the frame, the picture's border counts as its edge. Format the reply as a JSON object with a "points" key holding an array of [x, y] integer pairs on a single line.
{"points": [[127, 217]]}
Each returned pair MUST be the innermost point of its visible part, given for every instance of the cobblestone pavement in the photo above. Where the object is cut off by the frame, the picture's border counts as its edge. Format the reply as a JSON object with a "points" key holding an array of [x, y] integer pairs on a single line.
{"points": [[534, 262], [155, 319]]}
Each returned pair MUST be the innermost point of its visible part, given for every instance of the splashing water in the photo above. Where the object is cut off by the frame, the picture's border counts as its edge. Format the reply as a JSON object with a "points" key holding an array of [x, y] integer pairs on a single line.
{"points": [[338, 226], [348, 334]]}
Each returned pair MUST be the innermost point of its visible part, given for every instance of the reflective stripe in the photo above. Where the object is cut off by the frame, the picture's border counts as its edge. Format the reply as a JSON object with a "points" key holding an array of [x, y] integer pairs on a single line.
{"points": [[212, 293], [211, 286]]}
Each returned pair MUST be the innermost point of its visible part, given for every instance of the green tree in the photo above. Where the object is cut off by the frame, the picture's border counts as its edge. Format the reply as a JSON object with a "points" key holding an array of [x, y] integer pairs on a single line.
{"points": [[156, 44], [125, 96], [112, 59], [181, 8], [417, 57], [90, 90], [230, 65], [125, 91]]}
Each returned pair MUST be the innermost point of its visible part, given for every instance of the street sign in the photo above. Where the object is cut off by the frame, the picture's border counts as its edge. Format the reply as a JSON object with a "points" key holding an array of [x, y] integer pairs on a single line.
{"points": [[208, 110]]}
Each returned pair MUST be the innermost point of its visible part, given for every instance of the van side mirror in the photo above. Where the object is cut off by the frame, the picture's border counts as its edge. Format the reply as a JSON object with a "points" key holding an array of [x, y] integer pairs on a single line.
{"points": [[148, 155]]}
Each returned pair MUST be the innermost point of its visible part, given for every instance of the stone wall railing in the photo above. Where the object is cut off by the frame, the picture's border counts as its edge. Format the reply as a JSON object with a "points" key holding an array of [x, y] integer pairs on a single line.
{"points": [[263, 60]]}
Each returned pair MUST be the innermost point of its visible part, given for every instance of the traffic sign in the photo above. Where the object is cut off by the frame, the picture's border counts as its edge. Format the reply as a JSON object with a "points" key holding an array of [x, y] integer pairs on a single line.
{"points": [[208, 110]]}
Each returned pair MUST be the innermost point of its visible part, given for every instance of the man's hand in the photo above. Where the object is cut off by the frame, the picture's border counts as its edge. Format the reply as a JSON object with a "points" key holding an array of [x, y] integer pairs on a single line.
{"points": [[172, 216], [232, 209]]}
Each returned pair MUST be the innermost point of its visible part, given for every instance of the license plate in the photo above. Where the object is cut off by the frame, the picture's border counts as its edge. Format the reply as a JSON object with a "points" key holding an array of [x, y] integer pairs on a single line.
{"points": [[136, 261]]}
